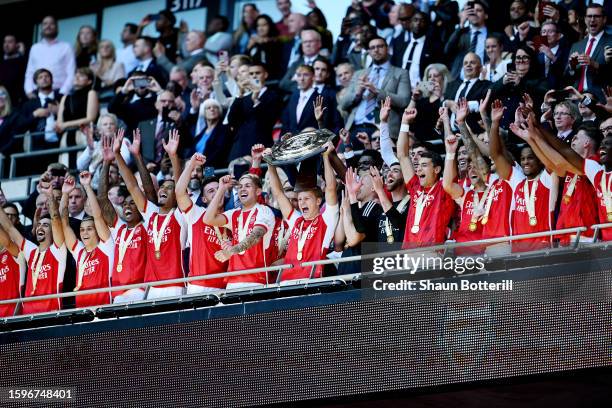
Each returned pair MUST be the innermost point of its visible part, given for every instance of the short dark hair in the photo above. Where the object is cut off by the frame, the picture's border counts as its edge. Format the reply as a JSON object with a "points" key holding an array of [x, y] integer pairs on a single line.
{"points": [[376, 37], [483, 4], [375, 155], [208, 180], [149, 40], [424, 15], [40, 71], [11, 205], [224, 22], [435, 158], [306, 67], [592, 132], [169, 15], [133, 27]]}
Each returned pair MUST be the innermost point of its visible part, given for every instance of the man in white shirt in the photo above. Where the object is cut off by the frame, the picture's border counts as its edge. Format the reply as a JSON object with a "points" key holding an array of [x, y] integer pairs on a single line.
{"points": [[299, 113], [126, 55], [52, 54]]}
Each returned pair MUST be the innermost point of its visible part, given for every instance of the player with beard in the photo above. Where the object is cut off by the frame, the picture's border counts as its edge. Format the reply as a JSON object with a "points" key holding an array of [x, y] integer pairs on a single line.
{"points": [[578, 205], [252, 227], [600, 176], [534, 198], [12, 273], [194, 188], [93, 254], [46, 259], [204, 240], [166, 228], [311, 229], [128, 233], [431, 208]]}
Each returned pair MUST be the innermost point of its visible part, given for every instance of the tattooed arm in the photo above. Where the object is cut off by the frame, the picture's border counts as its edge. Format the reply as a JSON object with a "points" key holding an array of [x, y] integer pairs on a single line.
{"points": [[252, 239]]}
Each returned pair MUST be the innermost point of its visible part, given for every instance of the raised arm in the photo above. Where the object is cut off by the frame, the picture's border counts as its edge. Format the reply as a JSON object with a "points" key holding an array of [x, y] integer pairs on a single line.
{"points": [[319, 111], [503, 166], [172, 148], [145, 177], [110, 215], [126, 173], [7, 243], [331, 192], [450, 167], [212, 215], [468, 139], [96, 212], [6, 224], [180, 190], [386, 145], [69, 235], [277, 191], [404, 142], [573, 161], [56, 223], [379, 187]]}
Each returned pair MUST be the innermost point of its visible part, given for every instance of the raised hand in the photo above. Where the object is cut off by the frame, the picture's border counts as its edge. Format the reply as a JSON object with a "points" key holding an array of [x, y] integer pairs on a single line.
{"points": [[520, 130], [69, 185], [353, 184], [484, 103], [118, 140], [198, 159], [409, 115], [45, 186], [107, 149], [171, 147], [329, 148], [257, 152], [443, 115], [319, 108], [377, 182], [364, 139], [226, 182], [85, 178], [608, 106], [451, 143], [462, 111], [497, 111], [385, 109], [345, 136], [528, 100], [88, 130]]}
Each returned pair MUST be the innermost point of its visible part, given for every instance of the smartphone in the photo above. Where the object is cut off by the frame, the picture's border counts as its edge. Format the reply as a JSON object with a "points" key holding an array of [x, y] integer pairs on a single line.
{"points": [[541, 16], [209, 171], [141, 82], [539, 40], [511, 67], [223, 55], [470, 4], [561, 95]]}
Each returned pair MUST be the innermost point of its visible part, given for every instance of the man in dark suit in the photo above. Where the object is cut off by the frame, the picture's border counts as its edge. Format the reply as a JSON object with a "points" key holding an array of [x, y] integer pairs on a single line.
{"points": [[468, 39], [292, 49], [194, 45], [311, 46], [322, 78], [421, 51], [143, 50], [399, 44], [252, 117], [471, 87], [553, 55], [299, 112], [40, 113], [134, 103], [587, 67]]}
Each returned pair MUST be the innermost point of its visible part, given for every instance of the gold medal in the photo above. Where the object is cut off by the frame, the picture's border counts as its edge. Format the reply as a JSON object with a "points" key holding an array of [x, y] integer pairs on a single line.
{"points": [[533, 221], [119, 267], [610, 217], [158, 255], [390, 239], [566, 199], [299, 256], [415, 229], [484, 220], [472, 226]]}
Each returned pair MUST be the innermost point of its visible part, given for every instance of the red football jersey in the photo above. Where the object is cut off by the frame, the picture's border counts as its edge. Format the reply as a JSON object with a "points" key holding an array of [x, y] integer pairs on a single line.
{"points": [[580, 210], [168, 264], [320, 233], [463, 233], [204, 243], [135, 258], [12, 277], [439, 208], [545, 196], [498, 223], [51, 268], [254, 257], [595, 171], [95, 268]]}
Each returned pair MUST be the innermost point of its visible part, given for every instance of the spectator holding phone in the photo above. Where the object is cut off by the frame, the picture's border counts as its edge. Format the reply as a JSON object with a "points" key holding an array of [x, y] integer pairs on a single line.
{"points": [[135, 101], [168, 34], [218, 39], [143, 49], [553, 52]]}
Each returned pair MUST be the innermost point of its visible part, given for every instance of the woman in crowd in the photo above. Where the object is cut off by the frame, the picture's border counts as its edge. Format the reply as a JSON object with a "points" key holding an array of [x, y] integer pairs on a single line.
{"points": [[427, 99], [264, 46], [107, 69], [8, 124], [92, 159], [246, 29], [317, 20], [212, 141], [496, 68], [86, 46], [79, 108]]}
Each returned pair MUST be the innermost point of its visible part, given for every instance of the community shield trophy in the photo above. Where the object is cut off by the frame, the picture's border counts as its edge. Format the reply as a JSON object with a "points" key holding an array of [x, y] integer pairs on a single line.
{"points": [[299, 147]]}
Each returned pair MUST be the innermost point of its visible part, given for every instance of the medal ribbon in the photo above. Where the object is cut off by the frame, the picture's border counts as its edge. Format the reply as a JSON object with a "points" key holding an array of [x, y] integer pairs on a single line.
{"points": [[606, 191], [39, 257], [159, 234], [124, 242], [81, 269], [420, 206], [530, 197], [303, 236], [242, 229], [571, 186]]}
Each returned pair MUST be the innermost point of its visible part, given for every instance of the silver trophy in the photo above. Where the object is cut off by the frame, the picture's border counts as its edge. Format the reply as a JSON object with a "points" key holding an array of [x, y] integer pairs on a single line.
{"points": [[297, 148]]}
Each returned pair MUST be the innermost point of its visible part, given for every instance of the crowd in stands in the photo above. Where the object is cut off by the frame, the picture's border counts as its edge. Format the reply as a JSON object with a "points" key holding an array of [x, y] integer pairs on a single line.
{"points": [[454, 121]]}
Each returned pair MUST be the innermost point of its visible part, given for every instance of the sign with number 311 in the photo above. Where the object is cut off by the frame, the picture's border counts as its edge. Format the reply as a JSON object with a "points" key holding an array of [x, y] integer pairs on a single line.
{"points": [[182, 5]]}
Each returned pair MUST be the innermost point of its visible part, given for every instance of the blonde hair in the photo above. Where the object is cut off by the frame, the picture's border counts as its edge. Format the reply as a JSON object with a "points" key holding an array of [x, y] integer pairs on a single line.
{"points": [[106, 63], [443, 70], [8, 107]]}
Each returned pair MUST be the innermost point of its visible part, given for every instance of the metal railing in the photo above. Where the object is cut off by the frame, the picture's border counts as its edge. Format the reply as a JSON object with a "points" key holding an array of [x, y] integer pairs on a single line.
{"points": [[36, 153], [281, 268]]}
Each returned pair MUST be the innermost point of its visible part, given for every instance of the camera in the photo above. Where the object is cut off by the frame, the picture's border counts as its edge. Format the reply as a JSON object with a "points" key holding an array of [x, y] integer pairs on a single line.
{"points": [[142, 82]]}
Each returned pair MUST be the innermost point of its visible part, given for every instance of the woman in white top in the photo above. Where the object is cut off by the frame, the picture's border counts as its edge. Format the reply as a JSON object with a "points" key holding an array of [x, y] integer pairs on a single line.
{"points": [[497, 66], [91, 158], [107, 68]]}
